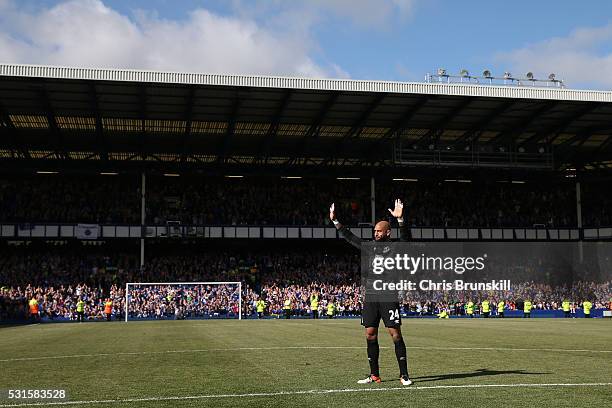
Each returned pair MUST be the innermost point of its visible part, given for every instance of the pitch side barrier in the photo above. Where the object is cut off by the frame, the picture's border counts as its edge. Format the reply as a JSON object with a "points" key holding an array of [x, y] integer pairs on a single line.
{"points": [[108, 231], [595, 313]]}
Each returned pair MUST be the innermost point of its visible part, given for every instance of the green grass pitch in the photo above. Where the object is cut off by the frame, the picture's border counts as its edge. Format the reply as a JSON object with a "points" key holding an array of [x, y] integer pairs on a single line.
{"points": [[276, 363]]}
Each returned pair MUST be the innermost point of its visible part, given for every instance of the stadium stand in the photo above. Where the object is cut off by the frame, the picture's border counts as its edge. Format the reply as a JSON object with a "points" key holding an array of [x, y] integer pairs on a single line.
{"points": [[276, 201], [525, 152], [58, 277]]}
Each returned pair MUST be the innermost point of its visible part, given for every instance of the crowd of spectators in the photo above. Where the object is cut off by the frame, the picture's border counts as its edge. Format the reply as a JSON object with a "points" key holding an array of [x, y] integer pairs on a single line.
{"points": [[221, 301], [69, 199], [281, 201], [543, 297], [596, 204], [181, 302], [454, 204], [58, 282], [347, 298], [21, 266], [256, 201], [59, 303]]}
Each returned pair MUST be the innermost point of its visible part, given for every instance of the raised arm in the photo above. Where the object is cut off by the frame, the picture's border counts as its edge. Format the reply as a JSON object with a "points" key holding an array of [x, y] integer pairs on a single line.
{"points": [[398, 213], [342, 230]]}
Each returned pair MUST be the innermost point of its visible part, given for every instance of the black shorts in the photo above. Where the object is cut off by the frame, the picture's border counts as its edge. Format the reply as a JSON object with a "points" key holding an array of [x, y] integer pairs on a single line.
{"points": [[389, 312]]}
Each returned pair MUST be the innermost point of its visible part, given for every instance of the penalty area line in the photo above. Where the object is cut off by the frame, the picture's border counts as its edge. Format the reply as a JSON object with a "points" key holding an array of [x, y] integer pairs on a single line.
{"points": [[303, 392]]}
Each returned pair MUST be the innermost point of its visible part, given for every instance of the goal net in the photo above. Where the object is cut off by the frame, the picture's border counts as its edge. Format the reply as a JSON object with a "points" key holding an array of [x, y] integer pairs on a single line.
{"points": [[183, 300]]}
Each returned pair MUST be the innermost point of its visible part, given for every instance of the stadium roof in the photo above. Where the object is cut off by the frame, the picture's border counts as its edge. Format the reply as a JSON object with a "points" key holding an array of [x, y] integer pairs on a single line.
{"points": [[109, 115]]}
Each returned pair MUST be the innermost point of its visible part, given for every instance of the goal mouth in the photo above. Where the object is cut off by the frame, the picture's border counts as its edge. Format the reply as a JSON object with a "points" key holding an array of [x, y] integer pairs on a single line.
{"points": [[183, 300]]}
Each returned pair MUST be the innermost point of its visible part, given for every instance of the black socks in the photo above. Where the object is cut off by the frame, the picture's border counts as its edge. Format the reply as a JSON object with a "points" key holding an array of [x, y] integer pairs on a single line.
{"points": [[400, 353], [373, 352]]}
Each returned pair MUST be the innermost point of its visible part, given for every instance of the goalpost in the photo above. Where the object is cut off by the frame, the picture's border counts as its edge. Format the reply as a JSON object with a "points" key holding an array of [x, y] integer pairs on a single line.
{"points": [[182, 300]]}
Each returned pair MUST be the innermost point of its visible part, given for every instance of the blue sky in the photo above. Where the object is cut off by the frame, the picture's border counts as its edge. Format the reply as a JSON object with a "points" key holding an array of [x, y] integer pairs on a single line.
{"points": [[360, 39]]}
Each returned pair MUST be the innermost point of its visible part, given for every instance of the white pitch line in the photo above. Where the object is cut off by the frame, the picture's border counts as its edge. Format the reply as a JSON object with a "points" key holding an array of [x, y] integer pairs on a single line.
{"points": [[304, 392], [138, 353], [512, 349]]}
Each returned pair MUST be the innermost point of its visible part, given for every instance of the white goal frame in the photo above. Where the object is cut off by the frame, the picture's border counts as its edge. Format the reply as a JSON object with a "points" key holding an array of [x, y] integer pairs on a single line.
{"points": [[127, 288]]}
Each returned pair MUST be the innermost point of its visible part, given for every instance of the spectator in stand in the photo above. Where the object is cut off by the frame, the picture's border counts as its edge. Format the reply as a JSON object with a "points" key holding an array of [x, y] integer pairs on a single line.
{"points": [[216, 201]]}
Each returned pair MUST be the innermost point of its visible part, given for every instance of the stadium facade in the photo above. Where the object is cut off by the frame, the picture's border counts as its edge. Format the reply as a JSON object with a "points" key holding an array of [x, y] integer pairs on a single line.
{"points": [[143, 125]]}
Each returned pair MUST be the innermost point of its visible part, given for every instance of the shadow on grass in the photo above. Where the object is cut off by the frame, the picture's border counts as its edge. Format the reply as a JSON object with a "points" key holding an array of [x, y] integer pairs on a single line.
{"points": [[481, 372]]}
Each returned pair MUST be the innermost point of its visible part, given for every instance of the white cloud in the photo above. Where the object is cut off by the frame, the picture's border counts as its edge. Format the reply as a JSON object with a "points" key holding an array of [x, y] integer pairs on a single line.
{"points": [[578, 58], [88, 33]]}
